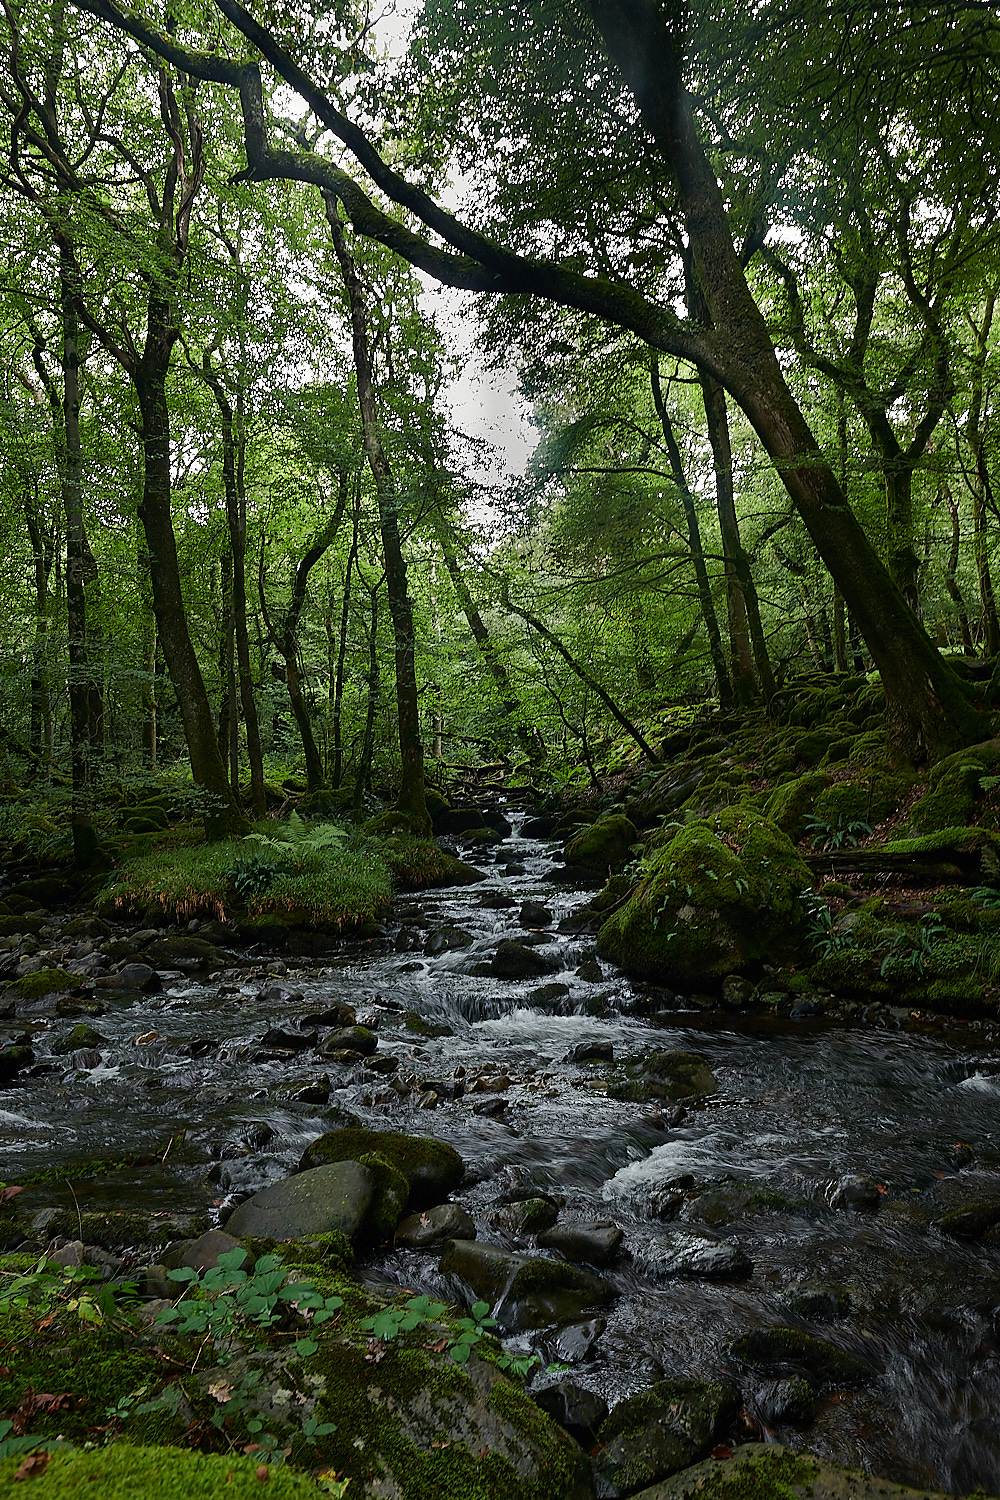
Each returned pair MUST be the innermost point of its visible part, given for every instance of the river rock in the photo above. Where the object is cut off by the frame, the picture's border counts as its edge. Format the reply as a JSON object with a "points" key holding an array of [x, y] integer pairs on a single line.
{"points": [[431, 1168], [604, 846], [790, 1400], [573, 1344], [534, 914], [200, 1254], [791, 1350], [81, 1036], [86, 1059], [530, 1216], [580, 1411], [658, 1432], [770, 1470], [695, 1254], [528, 1292], [302, 1091], [280, 1039], [594, 1242], [970, 1221], [857, 1191], [446, 939], [334, 1015], [591, 1052], [356, 1039], [447, 1221], [13, 1059], [183, 952], [335, 1197], [540, 827], [512, 960], [820, 1304], [671, 1075], [138, 977]]}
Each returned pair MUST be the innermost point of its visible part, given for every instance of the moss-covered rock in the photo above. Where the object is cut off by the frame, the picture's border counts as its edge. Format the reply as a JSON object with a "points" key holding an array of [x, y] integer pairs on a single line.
{"points": [[721, 896], [790, 1349], [432, 1168], [768, 1471], [419, 864], [45, 982], [789, 805], [869, 800], [389, 1200], [955, 791], [671, 1075], [605, 845], [657, 1432]]}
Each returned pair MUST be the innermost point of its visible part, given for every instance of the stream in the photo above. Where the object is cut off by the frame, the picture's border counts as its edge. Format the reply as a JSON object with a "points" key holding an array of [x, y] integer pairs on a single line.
{"points": [[801, 1105]]}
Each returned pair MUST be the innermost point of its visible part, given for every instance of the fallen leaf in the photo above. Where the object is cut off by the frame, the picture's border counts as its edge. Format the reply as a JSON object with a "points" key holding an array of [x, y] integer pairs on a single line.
{"points": [[33, 1464], [47, 1322], [263, 1473], [883, 1189], [221, 1392], [939, 1173], [722, 1450], [10, 1192]]}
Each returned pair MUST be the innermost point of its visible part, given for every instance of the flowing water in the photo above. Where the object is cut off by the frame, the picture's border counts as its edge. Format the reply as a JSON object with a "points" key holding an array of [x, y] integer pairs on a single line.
{"points": [[800, 1105]]}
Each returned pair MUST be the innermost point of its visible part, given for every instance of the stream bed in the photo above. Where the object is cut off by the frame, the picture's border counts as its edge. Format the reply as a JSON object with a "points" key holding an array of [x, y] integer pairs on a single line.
{"points": [[801, 1106]]}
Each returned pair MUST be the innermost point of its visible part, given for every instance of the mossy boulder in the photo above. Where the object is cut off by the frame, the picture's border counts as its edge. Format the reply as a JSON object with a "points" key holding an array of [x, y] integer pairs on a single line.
{"points": [[389, 1199], [869, 800], [432, 1168], [671, 1075], [721, 896], [789, 805], [605, 845], [791, 1350], [419, 864], [658, 1432], [324, 1200], [527, 1291], [955, 789], [768, 1471], [45, 982]]}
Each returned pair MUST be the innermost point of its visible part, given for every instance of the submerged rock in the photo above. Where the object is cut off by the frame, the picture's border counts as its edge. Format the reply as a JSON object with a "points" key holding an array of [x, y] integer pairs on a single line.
{"points": [[528, 1292], [335, 1197], [575, 1408], [595, 1242], [656, 1433], [790, 1349], [435, 1225], [671, 1075]]}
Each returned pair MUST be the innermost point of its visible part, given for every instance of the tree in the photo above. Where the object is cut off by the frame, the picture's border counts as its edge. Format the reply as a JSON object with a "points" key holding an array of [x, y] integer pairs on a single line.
{"points": [[927, 707]]}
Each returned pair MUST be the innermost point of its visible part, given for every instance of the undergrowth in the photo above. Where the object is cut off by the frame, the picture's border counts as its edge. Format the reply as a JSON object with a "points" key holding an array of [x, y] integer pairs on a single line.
{"points": [[320, 872]]}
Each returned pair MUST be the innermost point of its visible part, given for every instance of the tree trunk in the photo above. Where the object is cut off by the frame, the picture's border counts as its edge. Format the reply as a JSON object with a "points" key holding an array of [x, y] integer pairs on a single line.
{"points": [[982, 496], [223, 815], [338, 682], [694, 539], [412, 799], [951, 571], [364, 771], [740, 653], [531, 741], [589, 681], [86, 845], [233, 451], [43, 552], [928, 712]]}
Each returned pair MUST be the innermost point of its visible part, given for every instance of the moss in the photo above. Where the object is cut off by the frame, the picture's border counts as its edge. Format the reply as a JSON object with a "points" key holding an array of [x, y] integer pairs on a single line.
{"points": [[124, 1471], [325, 1254], [955, 792], [789, 805], [721, 896], [955, 836], [432, 1168], [418, 864], [760, 1476], [109, 1231], [81, 1035], [45, 982], [604, 844], [392, 1193], [866, 801]]}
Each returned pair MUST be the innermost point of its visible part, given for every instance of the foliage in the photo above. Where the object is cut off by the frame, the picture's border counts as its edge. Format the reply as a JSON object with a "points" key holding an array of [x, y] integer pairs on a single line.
{"points": [[49, 1289], [845, 834], [226, 1299]]}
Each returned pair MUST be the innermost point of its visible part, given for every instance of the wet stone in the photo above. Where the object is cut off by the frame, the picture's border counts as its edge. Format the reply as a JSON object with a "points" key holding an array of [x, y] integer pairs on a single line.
{"points": [[532, 1216], [696, 1255], [513, 960], [791, 1350], [446, 940], [591, 1052], [335, 1197], [278, 1037], [791, 1400], [658, 1432], [446, 1221], [357, 1039], [820, 1304], [857, 1191], [86, 1058], [590, 971], [574, 1344], [549, 996], [594, 1242], [534, 914], [580, 1411]]}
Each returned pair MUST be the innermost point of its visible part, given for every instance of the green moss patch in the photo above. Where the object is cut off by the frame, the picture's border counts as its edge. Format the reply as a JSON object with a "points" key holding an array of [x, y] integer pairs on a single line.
{"points": [[126, 1472]]}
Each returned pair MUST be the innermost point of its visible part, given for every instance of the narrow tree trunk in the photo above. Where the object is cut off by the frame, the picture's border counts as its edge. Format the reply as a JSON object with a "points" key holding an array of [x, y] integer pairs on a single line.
{"points": [[364, 771], [711, 619], [740, 653], [147, 692], [338, 683], [411, 799], [982, 496], [86, 845], [233, 456], [586, 678], [904, 564], [531, 741], [951, 571], [223, 814], [40, 721], [839, 631]]}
